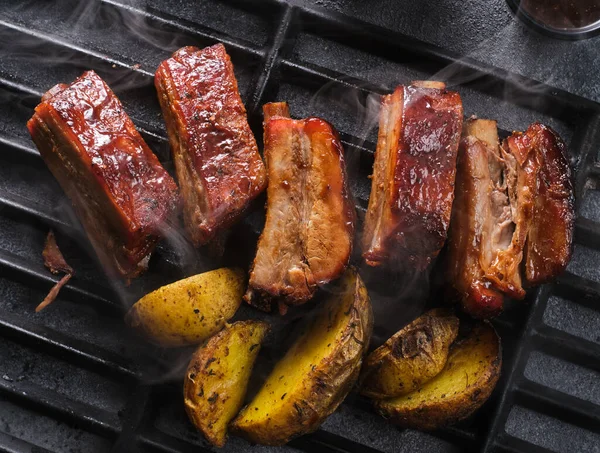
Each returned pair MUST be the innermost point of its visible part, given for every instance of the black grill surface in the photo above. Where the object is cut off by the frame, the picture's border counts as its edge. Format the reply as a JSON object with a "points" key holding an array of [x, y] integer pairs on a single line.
{"points": [[73, 378]]}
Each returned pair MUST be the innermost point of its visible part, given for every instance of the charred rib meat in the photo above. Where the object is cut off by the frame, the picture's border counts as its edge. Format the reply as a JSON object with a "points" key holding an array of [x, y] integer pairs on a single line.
{"points": [[512, 202], [120, 191], [307, 239], [413, 178], [216, 157]]}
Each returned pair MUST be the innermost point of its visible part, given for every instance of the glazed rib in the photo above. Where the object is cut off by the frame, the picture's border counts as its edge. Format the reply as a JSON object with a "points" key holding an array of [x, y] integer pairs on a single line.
{"points": [[120, 191], [413, 178], [307, 239], [216, 157], [550, 237], [512, 203]]}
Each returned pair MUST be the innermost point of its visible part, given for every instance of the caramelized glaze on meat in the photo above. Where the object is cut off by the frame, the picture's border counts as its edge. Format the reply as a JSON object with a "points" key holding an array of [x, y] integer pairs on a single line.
{"points": [[513, 206], [548, 249], [413, 178], [307, 239], [120, 191], [216, 157]]}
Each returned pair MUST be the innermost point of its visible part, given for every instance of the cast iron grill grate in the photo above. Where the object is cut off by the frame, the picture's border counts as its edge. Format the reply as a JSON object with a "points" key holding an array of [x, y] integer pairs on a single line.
{"points": [[75, 379]]}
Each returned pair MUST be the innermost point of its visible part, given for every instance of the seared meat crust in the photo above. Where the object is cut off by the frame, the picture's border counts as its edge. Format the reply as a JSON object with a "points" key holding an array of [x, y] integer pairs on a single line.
{"points": [[216, 157], [120, 191], [413, 179]]}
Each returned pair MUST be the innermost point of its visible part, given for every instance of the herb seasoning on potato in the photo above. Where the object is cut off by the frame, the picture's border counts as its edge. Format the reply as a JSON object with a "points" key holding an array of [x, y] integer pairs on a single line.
{"points": [[316, 373], [217, 377], [470, 375], [191, 310], [411, 357]]}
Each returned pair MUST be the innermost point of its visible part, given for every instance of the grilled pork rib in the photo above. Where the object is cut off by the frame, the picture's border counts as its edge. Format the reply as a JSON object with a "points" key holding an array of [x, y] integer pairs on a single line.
{"points": [[481, 222], [512, 202], [307, 239], [216, 157], [120, 191], [548, 248], [413, 176]]}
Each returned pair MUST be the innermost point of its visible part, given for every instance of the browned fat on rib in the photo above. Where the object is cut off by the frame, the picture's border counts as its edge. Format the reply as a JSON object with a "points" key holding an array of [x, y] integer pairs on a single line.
{"points": [[413, 179], [480, 210], [551, 234], [307, 238]]}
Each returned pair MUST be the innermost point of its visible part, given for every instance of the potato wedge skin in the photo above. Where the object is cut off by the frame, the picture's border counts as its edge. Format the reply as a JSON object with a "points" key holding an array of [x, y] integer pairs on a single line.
{"points": [[327, 383], [189, 311], [411, 357], [470, 375], [217, 377]]}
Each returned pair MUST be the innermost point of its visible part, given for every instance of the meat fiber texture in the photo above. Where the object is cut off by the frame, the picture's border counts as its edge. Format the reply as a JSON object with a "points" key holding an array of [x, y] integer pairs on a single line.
{"points": [[307, 239], [120, 191], [218, 166]]}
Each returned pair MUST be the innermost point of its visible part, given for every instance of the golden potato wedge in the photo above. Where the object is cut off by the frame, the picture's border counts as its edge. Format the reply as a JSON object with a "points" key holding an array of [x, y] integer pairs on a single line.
{"points": [[190, 310], [411, 357], [470, 375], [316, 373], [217, 377]]}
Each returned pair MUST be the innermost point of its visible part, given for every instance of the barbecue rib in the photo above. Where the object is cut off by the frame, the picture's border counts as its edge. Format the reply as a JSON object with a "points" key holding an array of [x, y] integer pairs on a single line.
{"points": [[413, 176], [216, 158], [512, 202], [548, 248], [481, 219], [120, 191], [307, 239]]}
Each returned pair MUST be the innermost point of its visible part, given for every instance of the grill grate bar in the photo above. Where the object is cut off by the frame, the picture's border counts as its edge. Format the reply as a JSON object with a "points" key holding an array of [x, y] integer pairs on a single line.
{"points": [[26, 206], [577, 350], [583, 285], [510, 444], [565, 407], [181, 27], [281, 35], [520, 357], [11, 444], [67, 347], [74, 47], [165, 443], [86, 416], [322, 441]]}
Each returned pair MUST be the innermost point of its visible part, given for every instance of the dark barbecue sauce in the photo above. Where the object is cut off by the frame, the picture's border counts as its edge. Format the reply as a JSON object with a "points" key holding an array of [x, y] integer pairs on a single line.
{"points": [[563, 13]]}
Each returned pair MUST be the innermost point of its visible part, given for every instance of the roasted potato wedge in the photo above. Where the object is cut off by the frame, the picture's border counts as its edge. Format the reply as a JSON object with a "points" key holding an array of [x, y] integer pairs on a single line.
{"points": [[470, 375], [411, 357], [217, 377], [191, 310], [316, 373]]}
